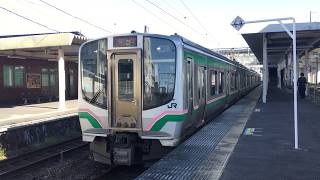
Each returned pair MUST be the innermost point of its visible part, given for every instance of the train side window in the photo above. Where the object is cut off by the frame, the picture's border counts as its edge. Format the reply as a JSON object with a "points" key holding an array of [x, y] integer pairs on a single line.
{"points": [[243, 80], [204, 78], [199, 82], [213, 82], [189, 83], [236, 83], [196, 86], [221, 82]]}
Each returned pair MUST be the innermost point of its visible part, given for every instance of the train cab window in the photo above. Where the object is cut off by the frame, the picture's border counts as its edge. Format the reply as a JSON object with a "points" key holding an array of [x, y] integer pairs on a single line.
{"points": [[221, 82], [159, 71], [93, 64], [213, 82]]}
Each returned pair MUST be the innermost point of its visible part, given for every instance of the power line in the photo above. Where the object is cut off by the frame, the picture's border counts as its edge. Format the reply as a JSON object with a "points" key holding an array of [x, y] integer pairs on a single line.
{"points": [[174, 17], [85, 21], [29, 19], [152, 13], [175, 9], [194, 16], [199, 22], [184, 4]]}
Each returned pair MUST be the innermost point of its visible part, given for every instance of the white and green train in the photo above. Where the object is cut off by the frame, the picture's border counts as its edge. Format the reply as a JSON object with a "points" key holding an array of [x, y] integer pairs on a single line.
{"points": [[140, 92]]}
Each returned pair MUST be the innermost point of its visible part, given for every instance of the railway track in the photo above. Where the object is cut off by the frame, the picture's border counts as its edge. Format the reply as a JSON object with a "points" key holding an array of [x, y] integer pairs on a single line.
{"points": [[9, 166], [123, 172]]}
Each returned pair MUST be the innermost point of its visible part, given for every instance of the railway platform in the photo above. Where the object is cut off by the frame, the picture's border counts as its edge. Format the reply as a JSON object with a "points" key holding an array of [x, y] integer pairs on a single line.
{"points": [[11, 116], [269, 153], [203, 155], [31, 127], [249, 141]]}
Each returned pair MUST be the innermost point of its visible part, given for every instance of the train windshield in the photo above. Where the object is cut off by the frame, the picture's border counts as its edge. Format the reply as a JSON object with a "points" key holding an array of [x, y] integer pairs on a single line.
{"points": [[159, 71], [93, 70]]}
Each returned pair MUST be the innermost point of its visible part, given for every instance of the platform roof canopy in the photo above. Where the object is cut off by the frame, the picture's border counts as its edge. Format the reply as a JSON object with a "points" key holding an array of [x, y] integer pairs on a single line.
{"points": [[42, 46], [279, 43]]}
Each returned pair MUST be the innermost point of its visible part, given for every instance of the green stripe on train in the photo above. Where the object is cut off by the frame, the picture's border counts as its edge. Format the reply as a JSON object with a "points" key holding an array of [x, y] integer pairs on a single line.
{"points": [[205, 60], [178, 118], [168, 118], [216, 102], [91, 119]]}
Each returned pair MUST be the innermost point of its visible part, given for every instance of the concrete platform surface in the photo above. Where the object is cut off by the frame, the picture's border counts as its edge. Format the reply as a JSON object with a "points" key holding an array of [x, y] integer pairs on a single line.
{"points": [[266, 148], [204, 155], [24, 114]]}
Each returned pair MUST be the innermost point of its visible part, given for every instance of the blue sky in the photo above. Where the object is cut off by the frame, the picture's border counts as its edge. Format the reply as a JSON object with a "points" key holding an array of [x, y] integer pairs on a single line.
{"points": [[122, 16]]}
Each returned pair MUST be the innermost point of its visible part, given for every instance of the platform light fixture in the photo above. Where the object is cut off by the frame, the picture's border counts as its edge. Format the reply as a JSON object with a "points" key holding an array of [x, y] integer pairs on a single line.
{"points": [[238, 23]]}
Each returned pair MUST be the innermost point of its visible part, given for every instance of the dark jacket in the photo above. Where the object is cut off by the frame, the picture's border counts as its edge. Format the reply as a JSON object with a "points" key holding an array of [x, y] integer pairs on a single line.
{"points": [[302, 81]]}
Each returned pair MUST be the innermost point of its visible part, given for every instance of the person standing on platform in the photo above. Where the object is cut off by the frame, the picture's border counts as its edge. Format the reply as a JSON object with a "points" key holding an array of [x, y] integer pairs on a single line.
{"points": [[302, 81]]}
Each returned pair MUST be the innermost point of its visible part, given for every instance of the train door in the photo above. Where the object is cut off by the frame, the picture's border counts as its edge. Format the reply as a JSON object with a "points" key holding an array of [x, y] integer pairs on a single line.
{"points": [[202, 90], [227, 79], [189, 90], [126, 91]]}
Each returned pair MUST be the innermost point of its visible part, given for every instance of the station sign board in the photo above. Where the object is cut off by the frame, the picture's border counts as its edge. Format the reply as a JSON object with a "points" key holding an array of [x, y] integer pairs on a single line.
{"points": [[237, 23]]}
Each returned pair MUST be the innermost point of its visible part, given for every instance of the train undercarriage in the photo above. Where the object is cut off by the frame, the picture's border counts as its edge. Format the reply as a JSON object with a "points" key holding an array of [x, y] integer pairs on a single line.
{"points": [[126, 149]]}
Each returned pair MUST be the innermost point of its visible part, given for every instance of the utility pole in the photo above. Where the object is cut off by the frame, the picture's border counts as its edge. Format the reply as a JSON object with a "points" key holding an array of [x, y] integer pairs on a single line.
{"points": [[146, 29]]}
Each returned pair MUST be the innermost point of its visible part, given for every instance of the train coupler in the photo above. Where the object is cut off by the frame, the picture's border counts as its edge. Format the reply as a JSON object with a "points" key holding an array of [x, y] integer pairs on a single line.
{"points": [[126, 149]]}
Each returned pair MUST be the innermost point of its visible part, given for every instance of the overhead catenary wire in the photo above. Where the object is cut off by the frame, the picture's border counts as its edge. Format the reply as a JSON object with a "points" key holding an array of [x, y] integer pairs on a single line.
{"points": [[152, 13], [175, 9], [194, 16], [78, 18], [199, 22], [169, 14], [28, 19]]}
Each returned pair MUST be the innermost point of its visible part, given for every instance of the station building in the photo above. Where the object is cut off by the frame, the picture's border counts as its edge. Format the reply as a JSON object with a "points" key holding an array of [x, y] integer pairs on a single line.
{"points": [[36, 67]]}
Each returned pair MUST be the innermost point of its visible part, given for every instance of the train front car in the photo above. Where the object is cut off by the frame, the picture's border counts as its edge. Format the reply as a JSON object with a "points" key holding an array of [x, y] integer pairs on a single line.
{"points": [[130, 96]]}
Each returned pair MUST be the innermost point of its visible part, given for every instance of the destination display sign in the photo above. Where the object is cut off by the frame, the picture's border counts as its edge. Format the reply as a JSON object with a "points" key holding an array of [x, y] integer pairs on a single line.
{"points": [[125, 41]]}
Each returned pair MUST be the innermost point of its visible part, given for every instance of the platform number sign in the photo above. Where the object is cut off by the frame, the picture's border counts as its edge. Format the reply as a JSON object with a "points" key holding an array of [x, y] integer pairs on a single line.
{"points": [[237, 23]]}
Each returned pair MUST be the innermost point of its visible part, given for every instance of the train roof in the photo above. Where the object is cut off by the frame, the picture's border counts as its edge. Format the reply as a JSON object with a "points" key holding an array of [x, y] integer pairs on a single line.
{"points": [[192, 44], [206, 50]]}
